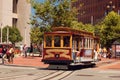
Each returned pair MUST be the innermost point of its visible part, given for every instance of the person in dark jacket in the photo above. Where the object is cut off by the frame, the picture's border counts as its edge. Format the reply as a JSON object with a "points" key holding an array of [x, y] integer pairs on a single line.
{"points": [[4, 50], [31, 49]]}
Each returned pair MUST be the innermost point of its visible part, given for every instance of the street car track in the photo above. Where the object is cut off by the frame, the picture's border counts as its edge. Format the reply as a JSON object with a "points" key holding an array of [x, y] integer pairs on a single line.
{"points": [[56, 76]]}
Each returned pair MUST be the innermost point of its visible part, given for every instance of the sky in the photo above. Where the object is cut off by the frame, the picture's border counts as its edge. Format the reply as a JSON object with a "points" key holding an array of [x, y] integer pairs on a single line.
{"points": [[32, 10]]}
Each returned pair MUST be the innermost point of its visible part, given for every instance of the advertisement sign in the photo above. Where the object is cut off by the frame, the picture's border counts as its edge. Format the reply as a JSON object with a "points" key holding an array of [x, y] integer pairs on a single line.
{"points": [[117, 48]]}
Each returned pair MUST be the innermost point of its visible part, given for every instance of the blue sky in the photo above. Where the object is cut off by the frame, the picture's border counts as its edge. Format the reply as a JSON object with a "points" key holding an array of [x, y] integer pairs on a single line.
{"points": [[32, 11]]}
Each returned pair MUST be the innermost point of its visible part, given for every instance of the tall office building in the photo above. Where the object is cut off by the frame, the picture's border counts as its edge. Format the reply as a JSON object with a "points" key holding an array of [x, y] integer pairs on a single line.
{"points": [[92, 11], [16, 13]]}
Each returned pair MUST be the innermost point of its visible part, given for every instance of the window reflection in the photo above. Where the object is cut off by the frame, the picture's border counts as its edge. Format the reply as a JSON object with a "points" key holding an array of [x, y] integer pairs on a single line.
{"points": [[66, 40], [48, 41], [57, 41]]}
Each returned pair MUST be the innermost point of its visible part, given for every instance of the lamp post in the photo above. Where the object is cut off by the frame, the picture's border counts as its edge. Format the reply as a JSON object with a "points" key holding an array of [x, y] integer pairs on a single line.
{"points": [[25, 35], [110, 7], [7, 35], [91, 20], [118, 12], [1, 34]]}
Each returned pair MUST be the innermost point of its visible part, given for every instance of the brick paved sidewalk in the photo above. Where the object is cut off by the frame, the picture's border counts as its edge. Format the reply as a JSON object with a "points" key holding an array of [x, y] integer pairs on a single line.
{"points": [[106, 63], [36, 62], [28, 61]]}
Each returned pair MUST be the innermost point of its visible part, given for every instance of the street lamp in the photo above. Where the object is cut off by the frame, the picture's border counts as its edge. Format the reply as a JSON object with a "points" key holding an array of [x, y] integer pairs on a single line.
{"points": [[7, 35], [25, 36], [1, 34], [110, 7]]}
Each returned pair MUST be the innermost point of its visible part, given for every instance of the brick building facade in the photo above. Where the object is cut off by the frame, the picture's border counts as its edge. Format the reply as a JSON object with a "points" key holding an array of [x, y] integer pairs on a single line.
{"points": [[92, 11]]}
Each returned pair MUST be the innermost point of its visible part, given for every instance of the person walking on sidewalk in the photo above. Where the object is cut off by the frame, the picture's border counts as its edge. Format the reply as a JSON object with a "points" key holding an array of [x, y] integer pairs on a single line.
{"points": [[4, 50], [31, 50], [21, 49], [25, 50], [10, 54]]}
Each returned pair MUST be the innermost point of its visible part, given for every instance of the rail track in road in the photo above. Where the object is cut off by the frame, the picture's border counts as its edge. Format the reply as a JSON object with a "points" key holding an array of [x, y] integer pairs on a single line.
{"points": [[40, 74], [58, 75], [33, 74]]}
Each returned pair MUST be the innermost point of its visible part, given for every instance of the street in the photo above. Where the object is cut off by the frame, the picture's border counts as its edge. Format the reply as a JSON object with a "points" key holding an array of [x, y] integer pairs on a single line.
{"points": [[33, 69], [24, 73]]}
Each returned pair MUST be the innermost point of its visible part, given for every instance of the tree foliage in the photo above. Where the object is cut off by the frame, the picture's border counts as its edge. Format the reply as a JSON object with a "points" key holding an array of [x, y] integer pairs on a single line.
{"points": [[54, 13], [81, 26], [13, 35], [50, 13], [37, 34], [109, 29]]}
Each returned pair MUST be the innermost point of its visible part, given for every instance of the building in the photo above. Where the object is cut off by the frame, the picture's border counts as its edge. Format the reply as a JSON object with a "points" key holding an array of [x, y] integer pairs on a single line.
{"points": [[92, 11], [16, 13]]}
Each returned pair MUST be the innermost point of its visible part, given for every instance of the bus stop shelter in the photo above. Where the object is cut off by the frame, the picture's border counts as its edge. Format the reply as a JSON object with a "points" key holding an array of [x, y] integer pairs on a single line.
{"points": [[116, 49]]}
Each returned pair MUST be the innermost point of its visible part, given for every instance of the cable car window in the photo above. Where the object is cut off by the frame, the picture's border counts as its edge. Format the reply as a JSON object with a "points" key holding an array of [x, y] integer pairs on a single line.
{"points": [[48, 41], [57, 41], [66, 40]]}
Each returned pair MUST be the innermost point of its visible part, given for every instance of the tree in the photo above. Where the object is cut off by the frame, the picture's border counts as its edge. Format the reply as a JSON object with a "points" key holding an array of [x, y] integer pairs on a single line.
{"points": [[36, 34], [14, 34], [81, 26], [109, 29], [54, 13], [50, 13]]}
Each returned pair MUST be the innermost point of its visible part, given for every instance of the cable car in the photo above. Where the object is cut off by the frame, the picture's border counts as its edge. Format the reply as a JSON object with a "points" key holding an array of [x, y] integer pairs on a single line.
{"points": [[64, 47]]}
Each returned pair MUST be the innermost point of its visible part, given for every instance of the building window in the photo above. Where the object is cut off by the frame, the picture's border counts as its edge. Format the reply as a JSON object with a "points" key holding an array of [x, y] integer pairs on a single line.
{"points": [[14, 22], [119, 4], [15, 6]]}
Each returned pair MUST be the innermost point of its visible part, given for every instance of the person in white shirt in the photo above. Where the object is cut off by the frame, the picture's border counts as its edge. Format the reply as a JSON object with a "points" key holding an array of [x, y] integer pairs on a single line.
{"points": [[95, 54]]}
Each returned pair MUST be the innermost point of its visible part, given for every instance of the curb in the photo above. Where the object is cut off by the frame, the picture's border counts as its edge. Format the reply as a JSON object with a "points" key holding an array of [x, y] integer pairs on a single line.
{"points": [[13, 65]]}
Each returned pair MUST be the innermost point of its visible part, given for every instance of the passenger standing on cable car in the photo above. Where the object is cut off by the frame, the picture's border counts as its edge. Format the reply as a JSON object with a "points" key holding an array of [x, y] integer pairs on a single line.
{"points": [[82, 53], [95, 54]]}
